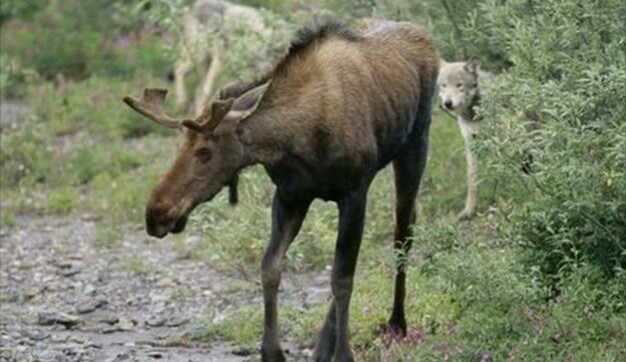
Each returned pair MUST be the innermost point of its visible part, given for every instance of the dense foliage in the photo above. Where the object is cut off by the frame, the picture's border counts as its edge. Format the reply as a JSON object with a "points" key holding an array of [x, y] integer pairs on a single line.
{"points": [[563, 102]]}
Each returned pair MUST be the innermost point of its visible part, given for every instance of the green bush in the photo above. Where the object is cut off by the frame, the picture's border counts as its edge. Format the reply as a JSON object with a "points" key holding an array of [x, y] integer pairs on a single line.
{"points": [[66, 38], [21, 9], [24, 157], [563, 103], [61, 201]]}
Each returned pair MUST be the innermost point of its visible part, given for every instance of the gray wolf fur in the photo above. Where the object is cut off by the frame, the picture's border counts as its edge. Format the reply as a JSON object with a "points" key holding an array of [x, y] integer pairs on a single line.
{"points": [[460, 87]]}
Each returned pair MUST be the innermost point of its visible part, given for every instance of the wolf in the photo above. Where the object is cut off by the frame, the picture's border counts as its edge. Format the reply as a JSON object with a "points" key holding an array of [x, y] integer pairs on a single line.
{"points": [[198, 48], [461, 86]]}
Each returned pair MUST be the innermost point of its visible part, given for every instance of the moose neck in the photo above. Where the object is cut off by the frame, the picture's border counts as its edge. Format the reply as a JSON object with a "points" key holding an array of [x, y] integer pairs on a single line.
{"points": [[265, 135]]}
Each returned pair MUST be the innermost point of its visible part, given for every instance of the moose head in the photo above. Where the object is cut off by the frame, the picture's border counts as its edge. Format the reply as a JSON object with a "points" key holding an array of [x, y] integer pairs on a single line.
{"points": [[210, 154]]}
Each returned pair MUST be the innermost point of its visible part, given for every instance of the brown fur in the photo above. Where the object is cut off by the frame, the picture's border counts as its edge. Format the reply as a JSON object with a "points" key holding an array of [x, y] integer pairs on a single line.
{"points": [[341, 105]]}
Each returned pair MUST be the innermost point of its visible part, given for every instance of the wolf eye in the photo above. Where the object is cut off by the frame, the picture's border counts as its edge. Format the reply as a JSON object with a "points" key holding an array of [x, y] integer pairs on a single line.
{"points": [[204, 154], [459, 85]]}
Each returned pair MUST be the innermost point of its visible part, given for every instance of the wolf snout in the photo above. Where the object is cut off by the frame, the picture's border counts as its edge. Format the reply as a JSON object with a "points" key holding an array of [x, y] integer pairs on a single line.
{"points": [[447, 104]]}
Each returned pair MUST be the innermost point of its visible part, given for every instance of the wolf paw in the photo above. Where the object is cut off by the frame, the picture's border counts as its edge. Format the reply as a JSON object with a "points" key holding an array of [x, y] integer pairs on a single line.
{"points": [[466, 214]]}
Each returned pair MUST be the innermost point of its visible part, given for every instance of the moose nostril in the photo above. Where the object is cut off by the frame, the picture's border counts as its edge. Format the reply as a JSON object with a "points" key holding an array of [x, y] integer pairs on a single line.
{"points": [[157, 220], [447, 104]]}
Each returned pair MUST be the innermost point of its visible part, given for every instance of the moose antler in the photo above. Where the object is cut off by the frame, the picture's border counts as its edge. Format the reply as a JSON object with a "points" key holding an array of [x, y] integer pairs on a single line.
{"points": [[150, 104]]}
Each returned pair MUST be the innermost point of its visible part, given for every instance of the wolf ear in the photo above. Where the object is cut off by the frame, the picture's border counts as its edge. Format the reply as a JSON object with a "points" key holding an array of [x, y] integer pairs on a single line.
{"points": [[472, 67]]}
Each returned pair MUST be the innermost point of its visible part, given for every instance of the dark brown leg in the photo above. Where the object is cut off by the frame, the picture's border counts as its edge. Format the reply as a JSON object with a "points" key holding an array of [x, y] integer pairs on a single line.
{"points": [[334, 337], [325, 347], [233, 194], [286, 221]]}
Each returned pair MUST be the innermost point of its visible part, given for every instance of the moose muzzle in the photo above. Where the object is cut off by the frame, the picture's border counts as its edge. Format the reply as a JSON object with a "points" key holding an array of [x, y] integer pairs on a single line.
{"points": [[160, 223]]}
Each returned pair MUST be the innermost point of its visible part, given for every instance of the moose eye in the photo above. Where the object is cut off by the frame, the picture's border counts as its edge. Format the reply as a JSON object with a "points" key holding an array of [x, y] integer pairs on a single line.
{"points": [[204, 154]]}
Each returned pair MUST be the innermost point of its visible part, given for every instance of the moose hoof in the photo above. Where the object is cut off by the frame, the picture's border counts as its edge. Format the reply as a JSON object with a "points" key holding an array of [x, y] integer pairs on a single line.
{"points": [[344, 357], [272, 356], [396, 331]]}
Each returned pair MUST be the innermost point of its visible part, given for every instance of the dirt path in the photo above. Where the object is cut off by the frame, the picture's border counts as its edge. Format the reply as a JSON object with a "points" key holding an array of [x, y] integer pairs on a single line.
{"points": [[64, 298], [12, 112]]}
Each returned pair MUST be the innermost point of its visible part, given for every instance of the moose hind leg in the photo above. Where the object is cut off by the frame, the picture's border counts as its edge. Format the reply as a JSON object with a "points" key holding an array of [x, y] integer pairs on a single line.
{"points": [[325, 346], [351, 218], [408, 170], [286, 222]]}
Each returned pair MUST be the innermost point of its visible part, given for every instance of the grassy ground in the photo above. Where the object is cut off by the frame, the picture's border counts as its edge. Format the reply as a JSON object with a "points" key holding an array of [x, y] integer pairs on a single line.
{"points": [[469, 294]]}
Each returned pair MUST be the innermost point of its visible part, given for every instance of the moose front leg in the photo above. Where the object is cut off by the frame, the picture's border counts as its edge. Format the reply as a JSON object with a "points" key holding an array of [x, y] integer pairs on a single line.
{"points": [[334, 337], [233, 193], [286, 221]]}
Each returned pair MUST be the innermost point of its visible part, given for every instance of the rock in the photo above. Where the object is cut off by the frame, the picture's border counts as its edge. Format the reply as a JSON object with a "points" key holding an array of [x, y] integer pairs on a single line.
{"points": [[35, 334], [165, 283], [77, 339], [10, 295], [156, 321], [58, 338], [120, 357], [108, 319], [89, 306], [89, 289], [94, 345], [124, 324], [53, 318], [155, 354], [176, 321], [52, 286], [68, 272], [30, 293], [48, 355], [316, 296], [62, 264]]}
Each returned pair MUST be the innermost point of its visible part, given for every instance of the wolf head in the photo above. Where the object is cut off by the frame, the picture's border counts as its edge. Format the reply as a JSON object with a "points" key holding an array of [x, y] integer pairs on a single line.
{"points": [[458, 86]]}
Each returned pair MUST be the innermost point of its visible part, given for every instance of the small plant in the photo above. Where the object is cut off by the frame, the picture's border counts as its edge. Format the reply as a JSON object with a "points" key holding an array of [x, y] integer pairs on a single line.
{"points": [[137, 266], [107, 237], [61, 201]]}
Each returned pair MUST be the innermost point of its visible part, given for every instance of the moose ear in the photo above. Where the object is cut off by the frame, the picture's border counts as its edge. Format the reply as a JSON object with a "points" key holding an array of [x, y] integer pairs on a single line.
{"points": [[472, 67], [248, 102]]}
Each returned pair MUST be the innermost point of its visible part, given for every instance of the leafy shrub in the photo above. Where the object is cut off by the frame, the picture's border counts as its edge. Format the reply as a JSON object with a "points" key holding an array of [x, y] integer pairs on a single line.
{"points": [[21, 9], [13, 77], [61, 201], [22, 157], [65, 37], [562, 102]]}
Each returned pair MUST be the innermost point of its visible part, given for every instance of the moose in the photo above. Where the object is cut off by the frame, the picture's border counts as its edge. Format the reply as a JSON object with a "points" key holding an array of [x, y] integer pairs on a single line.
{"points": [[339, 106]]}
